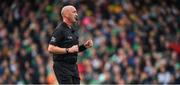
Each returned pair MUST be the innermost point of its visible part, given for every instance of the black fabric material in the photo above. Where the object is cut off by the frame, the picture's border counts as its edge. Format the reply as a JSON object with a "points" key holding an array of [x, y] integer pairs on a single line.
{"points": [[64, 37], [82, 48], [65, 64], [64, 75]]}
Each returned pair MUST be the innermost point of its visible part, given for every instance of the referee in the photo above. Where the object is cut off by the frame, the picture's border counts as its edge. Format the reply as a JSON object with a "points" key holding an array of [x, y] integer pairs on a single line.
{"points": [[64, 46]]}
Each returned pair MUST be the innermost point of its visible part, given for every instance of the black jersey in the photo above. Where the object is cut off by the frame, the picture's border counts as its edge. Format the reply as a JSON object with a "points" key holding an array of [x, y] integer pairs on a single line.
{"points": [[65, 37]]}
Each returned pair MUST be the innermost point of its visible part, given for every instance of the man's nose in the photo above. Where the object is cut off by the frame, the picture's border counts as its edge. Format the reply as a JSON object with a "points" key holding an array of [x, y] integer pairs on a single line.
{"points": [[76, 15]]}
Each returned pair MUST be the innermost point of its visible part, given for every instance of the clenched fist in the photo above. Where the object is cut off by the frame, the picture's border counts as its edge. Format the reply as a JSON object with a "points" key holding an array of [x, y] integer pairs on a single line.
{"points": [[88, 44]]}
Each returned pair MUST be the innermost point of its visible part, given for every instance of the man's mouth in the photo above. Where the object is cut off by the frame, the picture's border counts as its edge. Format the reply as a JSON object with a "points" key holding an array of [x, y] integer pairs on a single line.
{"points": [[76, 18]]}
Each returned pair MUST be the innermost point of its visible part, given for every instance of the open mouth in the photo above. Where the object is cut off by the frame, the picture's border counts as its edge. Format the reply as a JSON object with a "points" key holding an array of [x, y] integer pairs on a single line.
{"points": [[76, 18]]}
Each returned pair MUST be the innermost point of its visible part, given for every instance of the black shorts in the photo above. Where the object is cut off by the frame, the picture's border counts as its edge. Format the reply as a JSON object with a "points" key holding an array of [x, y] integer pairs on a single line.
{"points": [[67, 79], [64, 73]]}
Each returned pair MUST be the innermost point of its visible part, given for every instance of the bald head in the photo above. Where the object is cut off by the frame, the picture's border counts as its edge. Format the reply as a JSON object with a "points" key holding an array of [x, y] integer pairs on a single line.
{"points": [[67, 9], [69, 13]]}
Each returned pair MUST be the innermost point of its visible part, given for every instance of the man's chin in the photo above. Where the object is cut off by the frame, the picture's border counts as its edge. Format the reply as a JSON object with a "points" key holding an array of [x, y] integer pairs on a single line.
{"points": [[75, 21]]}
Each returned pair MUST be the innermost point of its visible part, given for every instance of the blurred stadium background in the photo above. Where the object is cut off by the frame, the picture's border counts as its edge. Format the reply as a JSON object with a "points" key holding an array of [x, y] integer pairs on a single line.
{"points": [[135, 41]]}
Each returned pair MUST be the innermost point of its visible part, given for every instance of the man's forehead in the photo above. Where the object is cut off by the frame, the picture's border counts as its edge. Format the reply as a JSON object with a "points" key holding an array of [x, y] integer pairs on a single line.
{"points": [[69, 7]]}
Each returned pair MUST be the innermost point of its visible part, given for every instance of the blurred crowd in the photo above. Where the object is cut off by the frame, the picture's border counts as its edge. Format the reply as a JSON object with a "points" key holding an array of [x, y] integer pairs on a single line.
{"points": [[135, 41]]}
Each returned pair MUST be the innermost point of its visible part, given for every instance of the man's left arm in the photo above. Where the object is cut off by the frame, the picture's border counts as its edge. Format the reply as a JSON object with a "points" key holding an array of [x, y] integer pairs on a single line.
{"points": [[86, 45]]}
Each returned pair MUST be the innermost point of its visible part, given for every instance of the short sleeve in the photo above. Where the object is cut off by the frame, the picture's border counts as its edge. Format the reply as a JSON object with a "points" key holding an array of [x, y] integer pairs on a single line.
{"points": [[56, 37]]}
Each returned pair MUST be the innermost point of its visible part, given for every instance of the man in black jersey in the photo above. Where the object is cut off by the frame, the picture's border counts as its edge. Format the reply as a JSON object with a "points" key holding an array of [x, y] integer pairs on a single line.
{"points": [[64, 46]]}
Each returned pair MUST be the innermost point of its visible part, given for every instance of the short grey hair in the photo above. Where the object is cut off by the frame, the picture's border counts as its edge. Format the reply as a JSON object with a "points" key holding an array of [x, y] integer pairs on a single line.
{"points": [[65, 8]]}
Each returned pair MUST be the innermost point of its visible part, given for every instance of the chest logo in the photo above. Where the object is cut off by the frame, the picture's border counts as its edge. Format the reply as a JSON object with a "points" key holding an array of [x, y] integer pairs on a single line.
{"points": [[70, 37]]}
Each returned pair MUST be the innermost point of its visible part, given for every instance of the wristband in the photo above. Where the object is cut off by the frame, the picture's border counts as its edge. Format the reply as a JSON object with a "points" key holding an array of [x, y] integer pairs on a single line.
{"points": [[82, 48], [67, 50]]}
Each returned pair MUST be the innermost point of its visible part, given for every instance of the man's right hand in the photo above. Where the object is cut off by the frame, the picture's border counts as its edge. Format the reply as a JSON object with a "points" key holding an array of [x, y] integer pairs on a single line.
{"points": [[73, 49]]}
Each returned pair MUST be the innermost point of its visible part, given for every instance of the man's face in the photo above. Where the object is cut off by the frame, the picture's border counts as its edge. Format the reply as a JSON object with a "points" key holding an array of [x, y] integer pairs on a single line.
{"points": [[73, 16]]}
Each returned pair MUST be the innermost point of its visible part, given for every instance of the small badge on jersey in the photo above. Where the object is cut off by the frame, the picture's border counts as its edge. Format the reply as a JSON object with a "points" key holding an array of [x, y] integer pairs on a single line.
{"points": [[53, 39], [70, 37]]}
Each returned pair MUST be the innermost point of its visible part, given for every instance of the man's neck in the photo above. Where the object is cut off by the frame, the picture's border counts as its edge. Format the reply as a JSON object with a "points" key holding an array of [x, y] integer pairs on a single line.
{"points": [[68, 22]]}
